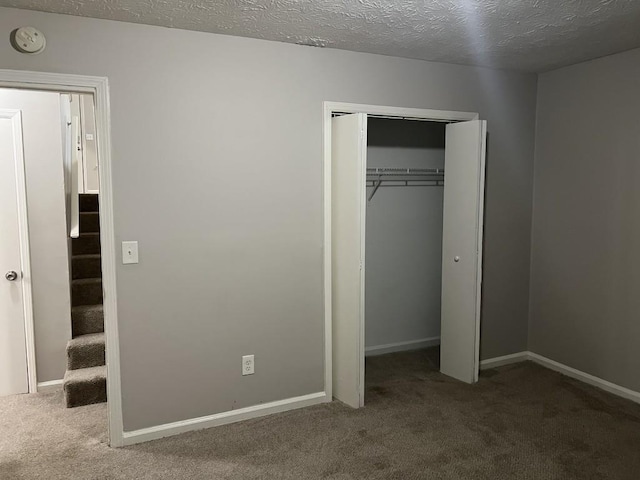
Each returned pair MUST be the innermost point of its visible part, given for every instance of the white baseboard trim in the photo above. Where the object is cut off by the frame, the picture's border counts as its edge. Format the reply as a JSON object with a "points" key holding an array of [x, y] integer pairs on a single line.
{"points": [[175, 428], [586, 377], [50, 386], [504, 360], [401, 346], [563, 369]]}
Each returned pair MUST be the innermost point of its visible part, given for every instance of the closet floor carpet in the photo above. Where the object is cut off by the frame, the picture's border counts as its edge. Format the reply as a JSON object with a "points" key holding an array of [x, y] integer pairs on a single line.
{"points": [[519, 422]]}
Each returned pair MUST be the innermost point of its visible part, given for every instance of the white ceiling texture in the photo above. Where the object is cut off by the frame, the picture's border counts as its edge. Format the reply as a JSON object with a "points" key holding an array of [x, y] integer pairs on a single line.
{"points": [[524, 35]]}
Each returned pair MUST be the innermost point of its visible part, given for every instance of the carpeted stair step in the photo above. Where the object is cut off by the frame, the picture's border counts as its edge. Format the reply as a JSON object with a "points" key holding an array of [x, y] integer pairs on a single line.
{"points": [[89, 222], [86, 291], [87, 319], [85, 386], [85, 351], [86, 266], [86, 243], [88, 202]]}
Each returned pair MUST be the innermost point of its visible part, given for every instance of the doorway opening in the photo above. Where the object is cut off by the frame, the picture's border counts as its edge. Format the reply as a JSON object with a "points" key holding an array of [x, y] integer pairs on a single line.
{"points": [[51, 247], [405, 263], [403, 252], [59, 303]]}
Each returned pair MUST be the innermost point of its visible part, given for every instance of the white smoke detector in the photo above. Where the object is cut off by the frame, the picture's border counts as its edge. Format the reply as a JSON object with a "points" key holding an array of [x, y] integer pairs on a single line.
{"points": [[28, 40]]}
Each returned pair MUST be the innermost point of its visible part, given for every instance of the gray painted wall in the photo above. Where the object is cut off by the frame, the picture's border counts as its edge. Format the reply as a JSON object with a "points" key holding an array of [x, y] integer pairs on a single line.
{"points": [[404, 236], [217, 152], [585, 305], [42, 138], [91, 182]]}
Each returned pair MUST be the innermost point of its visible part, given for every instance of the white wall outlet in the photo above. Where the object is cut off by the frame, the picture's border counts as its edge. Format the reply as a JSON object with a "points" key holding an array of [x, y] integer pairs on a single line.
{"points": [[247, 365], [129, 252]]}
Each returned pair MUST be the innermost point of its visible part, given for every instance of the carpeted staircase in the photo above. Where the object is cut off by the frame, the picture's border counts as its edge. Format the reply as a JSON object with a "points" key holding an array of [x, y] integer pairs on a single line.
{"points": [[85, 381]]}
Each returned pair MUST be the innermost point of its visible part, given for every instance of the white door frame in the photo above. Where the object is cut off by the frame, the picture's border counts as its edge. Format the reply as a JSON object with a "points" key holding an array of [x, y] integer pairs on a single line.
{"points": [[99, 87], [329, 108], [25, 256]]}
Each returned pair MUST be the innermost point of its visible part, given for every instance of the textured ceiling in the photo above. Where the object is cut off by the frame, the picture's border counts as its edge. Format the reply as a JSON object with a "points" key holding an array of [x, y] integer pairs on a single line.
{"points": [[527, 35]]}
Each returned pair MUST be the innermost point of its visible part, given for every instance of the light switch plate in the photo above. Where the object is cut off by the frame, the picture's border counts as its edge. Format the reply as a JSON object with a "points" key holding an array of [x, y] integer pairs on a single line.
{"points": [[129, 252]]}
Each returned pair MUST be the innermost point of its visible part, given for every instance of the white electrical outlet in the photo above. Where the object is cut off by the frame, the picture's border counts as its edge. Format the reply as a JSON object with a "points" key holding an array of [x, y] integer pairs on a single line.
{"points": [[248, 365]]}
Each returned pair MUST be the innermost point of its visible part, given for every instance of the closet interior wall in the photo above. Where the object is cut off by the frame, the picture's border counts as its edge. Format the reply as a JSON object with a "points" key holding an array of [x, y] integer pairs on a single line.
{"points": [[403, 271]]}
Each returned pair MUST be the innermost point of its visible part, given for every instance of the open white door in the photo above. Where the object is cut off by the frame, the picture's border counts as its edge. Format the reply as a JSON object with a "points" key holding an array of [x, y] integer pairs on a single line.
{"points": [[348, 203], [462, 249], [13, 353]]}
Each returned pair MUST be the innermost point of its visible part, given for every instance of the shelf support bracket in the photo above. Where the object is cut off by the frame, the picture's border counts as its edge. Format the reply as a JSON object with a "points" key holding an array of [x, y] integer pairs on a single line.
{"points": [[376, 185]]}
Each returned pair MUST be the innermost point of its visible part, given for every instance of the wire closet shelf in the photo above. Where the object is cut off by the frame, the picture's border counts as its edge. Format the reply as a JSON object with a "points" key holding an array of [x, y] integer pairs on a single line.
{"points": [[403, 177]]}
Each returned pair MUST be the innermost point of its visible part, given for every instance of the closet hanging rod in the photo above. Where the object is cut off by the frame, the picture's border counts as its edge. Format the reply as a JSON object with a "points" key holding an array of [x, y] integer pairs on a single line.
{"points": [[401, 183], [404, 183], [400, 178], [407, 183], [405, 172]]}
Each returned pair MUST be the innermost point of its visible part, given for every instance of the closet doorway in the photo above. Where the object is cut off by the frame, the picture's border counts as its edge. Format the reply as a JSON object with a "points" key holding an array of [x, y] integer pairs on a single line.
{"points": [[351, 182]]}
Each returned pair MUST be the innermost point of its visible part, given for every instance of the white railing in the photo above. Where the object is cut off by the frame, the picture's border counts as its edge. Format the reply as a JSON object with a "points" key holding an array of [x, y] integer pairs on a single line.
{"points": [[74, 145]]}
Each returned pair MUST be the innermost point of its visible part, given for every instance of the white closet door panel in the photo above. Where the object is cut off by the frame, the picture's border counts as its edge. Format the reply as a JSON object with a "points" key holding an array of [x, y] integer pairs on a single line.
{"points": [[348, 166], [462, 249]]}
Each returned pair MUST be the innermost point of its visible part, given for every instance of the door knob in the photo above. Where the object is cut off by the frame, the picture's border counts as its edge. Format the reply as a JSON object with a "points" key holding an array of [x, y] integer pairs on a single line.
{"points": [[456, 259], [11, 275]]}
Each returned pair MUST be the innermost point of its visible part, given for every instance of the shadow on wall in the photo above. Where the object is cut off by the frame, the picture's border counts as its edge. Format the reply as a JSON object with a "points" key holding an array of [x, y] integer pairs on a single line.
{"points": [[386, 132]]}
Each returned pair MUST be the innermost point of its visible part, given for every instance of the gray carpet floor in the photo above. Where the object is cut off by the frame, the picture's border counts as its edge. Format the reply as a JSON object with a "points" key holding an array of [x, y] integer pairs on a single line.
{"points": [[518, 422]]}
